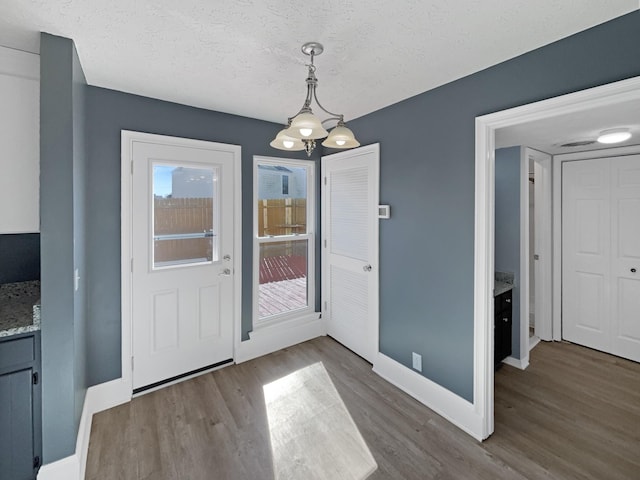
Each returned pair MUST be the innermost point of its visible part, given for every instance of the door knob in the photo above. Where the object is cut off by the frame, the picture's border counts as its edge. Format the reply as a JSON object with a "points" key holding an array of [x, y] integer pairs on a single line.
{"points": [[227, 257], [225, 273], [367, 268], [633, 270]]}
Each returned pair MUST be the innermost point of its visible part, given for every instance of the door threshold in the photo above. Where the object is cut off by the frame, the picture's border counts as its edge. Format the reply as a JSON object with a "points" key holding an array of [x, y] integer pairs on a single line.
{"points": [[180, 378]]}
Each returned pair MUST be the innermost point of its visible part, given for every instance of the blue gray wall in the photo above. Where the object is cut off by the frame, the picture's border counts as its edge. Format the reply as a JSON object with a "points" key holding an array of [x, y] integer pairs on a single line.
{"points": [[427, 176], [507, 229], [62, 196], [19, 257], [109, 112]]}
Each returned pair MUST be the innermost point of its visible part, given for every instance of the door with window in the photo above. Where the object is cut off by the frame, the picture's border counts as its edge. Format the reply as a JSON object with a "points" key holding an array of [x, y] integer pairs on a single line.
{"points": [[601, 254], [183, 251], [350, 276], [284, 243]]}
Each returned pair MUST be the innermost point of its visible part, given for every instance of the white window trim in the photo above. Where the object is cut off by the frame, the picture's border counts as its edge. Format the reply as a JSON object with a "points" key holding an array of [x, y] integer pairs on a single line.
{"points": [[309, 236]]}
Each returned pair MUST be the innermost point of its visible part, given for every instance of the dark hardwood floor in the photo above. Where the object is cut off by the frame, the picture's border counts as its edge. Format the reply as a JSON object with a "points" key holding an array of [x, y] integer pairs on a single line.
{"points": [[573, 414]]}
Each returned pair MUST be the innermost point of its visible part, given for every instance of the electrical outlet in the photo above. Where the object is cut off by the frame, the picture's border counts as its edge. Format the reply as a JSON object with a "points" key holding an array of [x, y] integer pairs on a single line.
{"points": [[417, 361]]}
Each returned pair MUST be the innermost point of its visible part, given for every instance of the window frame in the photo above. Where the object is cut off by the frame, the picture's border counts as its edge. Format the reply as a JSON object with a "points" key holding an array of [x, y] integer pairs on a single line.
{"points": [[309, 236]]}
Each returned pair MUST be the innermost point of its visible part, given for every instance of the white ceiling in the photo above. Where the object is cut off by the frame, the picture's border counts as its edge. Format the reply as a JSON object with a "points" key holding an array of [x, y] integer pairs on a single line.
{"points": [[243, 56], [550, 134]]}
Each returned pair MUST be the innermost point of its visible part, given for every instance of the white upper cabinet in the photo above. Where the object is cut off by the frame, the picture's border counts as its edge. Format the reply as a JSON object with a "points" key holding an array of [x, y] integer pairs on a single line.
{"points": [[19, 141]]}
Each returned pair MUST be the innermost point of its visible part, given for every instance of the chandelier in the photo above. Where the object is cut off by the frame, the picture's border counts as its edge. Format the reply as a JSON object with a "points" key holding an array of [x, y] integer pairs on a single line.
{"points": [[304, 128]]}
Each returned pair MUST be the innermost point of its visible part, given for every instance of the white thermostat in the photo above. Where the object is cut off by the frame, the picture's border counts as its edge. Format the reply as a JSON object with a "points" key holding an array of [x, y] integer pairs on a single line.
{"points": [[384, 211]]}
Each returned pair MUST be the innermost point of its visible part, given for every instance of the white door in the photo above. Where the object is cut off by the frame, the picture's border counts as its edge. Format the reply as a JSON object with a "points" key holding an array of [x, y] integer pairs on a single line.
{"points": [[625, 257], [350, 274], [183, 250], [542, 244], [601, 254]]}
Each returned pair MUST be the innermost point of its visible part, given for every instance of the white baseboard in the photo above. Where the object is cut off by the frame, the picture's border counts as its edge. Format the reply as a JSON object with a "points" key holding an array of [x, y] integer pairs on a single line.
{"points": [[67, 468], [453, 408], [98, 398], [521, 363], [276, 337], [533, 341]]}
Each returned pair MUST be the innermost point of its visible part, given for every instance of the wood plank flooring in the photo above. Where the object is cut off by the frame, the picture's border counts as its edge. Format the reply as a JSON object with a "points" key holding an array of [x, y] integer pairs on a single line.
{"points": [[573, 414]]}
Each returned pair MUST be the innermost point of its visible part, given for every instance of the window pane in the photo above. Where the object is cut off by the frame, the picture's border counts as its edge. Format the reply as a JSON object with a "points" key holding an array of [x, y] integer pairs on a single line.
{"points": [[185, 215], [282, 200], [283, 277]]}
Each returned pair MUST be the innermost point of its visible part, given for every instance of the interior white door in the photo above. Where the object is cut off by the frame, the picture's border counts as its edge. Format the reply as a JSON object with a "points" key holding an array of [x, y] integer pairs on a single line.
{"points": [[601, 254], [625, 257], [182, 244], [350, 274], [542, 244]]}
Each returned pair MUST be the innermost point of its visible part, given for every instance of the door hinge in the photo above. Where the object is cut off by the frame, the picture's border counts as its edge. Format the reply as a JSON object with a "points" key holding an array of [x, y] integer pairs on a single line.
{"points": [[36, 462], [132, 364], [326, 307], [132, 265], [131, 168], [34, 378], [325, 180], [325, 243]]}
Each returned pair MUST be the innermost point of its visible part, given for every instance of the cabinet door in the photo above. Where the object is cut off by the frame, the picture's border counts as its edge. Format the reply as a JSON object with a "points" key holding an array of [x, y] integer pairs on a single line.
{"points": [[16, 426], [506, 328]]}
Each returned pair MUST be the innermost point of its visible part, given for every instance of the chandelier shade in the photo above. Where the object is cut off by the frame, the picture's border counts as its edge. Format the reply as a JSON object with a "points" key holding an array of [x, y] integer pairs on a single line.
{"points": [[341, 137], [284, 141], [304, 128], [307, 125]]}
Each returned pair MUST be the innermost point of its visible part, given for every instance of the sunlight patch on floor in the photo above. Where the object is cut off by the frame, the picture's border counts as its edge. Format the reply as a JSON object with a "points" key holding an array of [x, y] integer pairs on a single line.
{"points": [[312, 434]]}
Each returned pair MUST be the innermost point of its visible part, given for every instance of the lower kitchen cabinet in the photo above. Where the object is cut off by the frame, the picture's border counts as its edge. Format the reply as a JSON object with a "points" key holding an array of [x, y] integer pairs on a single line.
{"points": [[20, 407], [503, 323]]}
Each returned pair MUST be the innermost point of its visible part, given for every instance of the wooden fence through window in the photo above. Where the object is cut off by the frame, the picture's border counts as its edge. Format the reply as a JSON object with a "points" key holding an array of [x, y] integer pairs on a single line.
{"points": [[282, 216], [175, 216]]}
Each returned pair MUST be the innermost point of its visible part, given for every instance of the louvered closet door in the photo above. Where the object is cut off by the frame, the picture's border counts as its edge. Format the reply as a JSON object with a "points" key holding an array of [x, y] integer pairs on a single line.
{"points": [[350, 248]]}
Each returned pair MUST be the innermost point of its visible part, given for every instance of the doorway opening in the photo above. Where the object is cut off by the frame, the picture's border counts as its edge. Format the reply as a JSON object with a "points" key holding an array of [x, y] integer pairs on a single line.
{"points": [[521, 120]]}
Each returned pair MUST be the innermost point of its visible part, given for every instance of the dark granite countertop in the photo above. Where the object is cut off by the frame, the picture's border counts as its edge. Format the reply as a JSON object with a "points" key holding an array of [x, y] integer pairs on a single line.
{"points": [[19, 307], [501, 287], [503, 282]]}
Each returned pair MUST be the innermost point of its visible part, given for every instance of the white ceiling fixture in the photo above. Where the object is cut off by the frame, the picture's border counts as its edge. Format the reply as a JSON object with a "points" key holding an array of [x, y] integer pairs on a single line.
{"points": [[614, 135], [304, 128], [573, 132]]}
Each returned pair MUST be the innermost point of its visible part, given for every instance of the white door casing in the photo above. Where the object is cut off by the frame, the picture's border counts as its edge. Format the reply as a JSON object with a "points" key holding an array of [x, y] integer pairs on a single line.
{"points": [[542, 244], [486, 128], [350, 273], [183, 312], [601, 254]]}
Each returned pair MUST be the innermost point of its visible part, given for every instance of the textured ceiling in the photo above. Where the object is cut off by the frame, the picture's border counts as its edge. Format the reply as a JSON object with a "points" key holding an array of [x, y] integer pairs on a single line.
{"points": [[243, 56], [550, 134]]}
